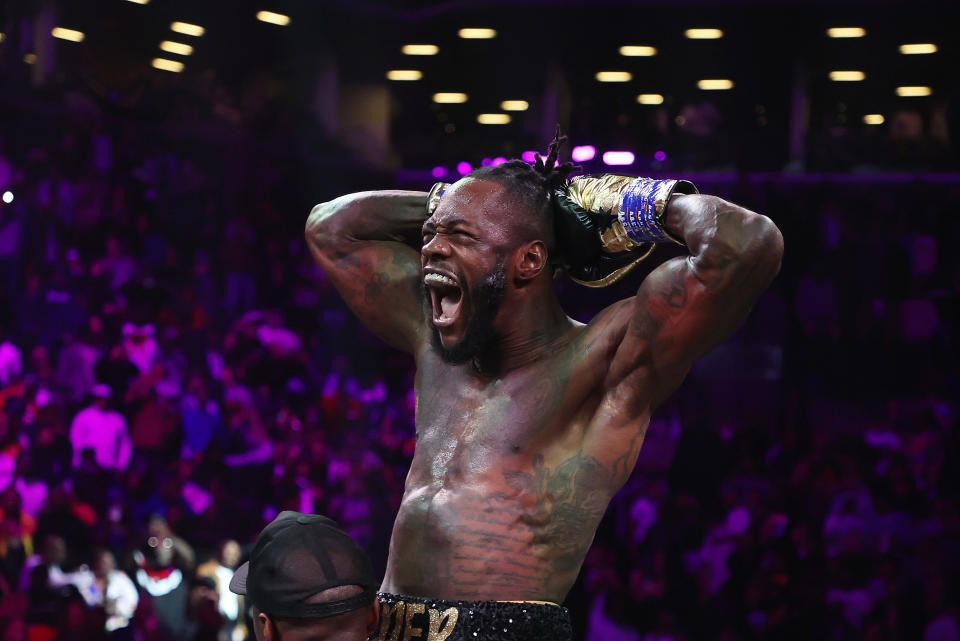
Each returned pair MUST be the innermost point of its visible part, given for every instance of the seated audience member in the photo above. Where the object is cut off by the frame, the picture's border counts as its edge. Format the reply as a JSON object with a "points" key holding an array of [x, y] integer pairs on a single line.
{"points": [[307, 579]]}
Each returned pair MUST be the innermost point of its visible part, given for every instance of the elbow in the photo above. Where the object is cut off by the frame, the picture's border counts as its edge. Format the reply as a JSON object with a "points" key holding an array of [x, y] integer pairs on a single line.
{"points": [[767, 247], [318, 230], [747, 240]]}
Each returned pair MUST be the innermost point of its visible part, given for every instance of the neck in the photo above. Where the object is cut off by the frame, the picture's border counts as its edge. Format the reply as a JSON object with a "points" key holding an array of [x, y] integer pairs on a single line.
{"points": [[529, 325]]}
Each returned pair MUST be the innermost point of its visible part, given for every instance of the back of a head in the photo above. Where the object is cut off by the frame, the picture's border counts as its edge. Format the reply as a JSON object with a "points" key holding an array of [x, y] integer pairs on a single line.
{"points": [[355, 625]]}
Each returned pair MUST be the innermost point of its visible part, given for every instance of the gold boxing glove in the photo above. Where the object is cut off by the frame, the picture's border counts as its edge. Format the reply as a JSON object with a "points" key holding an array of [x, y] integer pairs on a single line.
{"points": [[606, 223]]}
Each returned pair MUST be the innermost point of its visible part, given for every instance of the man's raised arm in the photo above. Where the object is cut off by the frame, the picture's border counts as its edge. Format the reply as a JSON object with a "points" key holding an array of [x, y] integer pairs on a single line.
{"points": [[358, 241], [688, 305]]}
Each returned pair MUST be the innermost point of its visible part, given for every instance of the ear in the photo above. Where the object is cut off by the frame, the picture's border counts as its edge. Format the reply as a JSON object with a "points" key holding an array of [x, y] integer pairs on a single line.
{"points": [[531, 260], [373, 618], [269, 632]]}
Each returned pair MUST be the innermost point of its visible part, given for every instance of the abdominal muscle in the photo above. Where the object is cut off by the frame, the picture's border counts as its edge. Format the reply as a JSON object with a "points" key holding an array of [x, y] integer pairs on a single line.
{"points": [[482, 542]]}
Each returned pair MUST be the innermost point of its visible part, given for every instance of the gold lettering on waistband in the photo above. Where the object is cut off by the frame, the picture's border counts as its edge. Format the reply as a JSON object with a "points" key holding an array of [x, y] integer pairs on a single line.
{"points": [[389, 614], [410, 631], [435, 633]]}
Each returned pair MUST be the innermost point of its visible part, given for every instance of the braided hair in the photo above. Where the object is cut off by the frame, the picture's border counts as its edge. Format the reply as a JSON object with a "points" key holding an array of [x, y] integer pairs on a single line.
{"points": [[534, 185]]}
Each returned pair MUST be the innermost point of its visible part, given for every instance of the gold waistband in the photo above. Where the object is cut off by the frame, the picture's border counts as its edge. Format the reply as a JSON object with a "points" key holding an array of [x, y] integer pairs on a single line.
{"points": [[537, 602]]}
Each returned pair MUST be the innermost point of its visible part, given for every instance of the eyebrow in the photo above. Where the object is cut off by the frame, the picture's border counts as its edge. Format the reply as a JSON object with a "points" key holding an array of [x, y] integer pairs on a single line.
{"points": [[449, 224]]}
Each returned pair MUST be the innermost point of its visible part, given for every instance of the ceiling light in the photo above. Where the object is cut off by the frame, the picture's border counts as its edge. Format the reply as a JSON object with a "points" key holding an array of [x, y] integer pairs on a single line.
{"points": [[176, 47], [583, 153], [703, 34], [715, 84], [404, 74], [187, 29], [913, 91], [139, 1], [924, 47], [273, 18], [167, 65], [873, 119], [637, 50], [475, 33], [449, 97], [67, 34], [514, 105], [2, 37], [847, 76], [846, 32], [29, 58], [420, 50], [493, 119], [650, 99], [618, 157], [614, 76]]}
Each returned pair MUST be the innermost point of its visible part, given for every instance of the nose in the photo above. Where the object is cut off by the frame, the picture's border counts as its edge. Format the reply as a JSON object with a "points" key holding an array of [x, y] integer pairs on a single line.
{"points": [[436, 246]]}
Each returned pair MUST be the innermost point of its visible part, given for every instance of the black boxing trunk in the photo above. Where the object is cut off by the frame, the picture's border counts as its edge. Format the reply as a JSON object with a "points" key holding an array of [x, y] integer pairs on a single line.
{"points": [[411, 618]]}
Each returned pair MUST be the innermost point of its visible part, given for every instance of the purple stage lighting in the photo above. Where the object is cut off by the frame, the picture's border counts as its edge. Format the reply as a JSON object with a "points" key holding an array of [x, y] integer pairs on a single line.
{"points": [[499, 160], [618, 157], [464, 168], [486, 162], [660, 155], [529, 156], [583, 153], [438, 172]]}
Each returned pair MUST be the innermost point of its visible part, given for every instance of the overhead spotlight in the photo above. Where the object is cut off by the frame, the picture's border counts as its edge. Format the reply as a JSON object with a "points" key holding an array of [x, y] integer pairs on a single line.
{"points": [[139, 1], [464, 168], [913, 91], [187, 29], [477, 33], [420, 50], [637, 50], [67, 34], [529, 156], [659, 155], [847, 76], [846, 32], [404, 74], [29, 58], [273, 18], [614, 76], [499, 160], [438, 172], [176, 47], [167, 65], [2, 37], [873, 119], [703, 34], [650, 99], [921, 47], [8, 197], [449, 97], [514, 105], [715, 84], [618, 158], [493, 119], [583, 153]]}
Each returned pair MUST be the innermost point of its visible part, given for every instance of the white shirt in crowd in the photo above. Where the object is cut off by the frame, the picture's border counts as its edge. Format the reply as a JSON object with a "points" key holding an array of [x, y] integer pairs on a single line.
{"points": [[103, 431]]}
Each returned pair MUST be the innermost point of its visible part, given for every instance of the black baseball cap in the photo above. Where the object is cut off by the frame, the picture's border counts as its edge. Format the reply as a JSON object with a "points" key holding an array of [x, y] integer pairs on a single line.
{"points": [[298, 555]]}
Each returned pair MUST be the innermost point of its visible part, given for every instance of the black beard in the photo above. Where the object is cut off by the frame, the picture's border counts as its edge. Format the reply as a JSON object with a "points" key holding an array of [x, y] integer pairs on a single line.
{"points": [[478, 341]]}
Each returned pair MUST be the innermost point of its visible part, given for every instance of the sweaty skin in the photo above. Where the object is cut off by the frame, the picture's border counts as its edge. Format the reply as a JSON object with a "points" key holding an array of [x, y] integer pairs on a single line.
{"points": [[519, 451]]}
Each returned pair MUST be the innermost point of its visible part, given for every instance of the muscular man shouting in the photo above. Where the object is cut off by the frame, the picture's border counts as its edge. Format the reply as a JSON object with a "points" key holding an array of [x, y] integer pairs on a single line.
{"points": [[528, 421]]}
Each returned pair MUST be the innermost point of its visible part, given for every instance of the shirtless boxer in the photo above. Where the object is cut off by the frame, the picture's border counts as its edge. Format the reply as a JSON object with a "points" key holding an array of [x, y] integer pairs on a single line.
{"points": [[528, 421]]}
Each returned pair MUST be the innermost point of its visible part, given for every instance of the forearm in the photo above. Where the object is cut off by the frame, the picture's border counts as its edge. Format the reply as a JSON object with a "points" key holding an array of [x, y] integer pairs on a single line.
{"points": [[720, 234], [367, 216]]}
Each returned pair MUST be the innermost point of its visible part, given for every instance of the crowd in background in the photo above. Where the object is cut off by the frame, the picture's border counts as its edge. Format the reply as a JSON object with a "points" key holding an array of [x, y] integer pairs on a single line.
{"points": [[175, 370]]}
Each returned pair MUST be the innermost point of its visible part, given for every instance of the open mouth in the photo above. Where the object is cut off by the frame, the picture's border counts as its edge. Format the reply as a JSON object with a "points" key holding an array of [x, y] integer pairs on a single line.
{"points": [[445, 297]]}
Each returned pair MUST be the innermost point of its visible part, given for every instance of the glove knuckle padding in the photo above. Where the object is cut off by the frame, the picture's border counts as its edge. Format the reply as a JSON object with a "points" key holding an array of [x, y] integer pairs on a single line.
{"points": [[593, 243]]}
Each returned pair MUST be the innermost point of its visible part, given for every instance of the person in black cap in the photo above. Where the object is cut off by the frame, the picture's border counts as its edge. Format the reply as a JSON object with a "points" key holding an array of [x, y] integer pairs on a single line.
{"points": [[307, 579]]}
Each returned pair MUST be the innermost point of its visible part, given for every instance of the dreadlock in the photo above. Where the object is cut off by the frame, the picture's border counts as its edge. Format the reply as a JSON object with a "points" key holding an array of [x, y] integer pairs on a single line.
{"points": [[534, 185]]}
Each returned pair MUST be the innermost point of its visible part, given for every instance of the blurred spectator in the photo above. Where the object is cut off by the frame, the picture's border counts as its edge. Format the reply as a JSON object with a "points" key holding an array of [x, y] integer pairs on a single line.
{"points": [[102, 430], [113, 591]]}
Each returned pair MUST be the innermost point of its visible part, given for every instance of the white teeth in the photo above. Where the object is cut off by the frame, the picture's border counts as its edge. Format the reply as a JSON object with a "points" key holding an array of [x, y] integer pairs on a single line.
{"points": [[439, 279]]}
